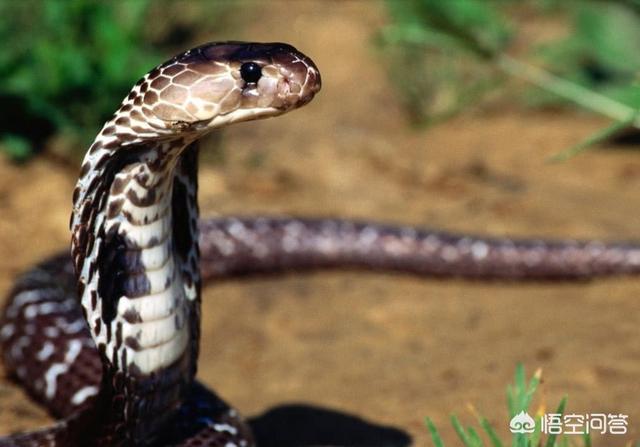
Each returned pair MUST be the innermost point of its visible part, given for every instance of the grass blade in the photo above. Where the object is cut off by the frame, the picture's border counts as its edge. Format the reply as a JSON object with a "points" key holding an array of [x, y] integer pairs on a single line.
{"points": [[435, 436], [474, 438], [533, 386], [551, 440], [597, 137], [462, 434], [486, 426]]}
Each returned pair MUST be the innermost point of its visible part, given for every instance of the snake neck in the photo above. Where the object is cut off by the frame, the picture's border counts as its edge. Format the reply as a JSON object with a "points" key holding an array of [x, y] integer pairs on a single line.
{"points": [[139, 283]]}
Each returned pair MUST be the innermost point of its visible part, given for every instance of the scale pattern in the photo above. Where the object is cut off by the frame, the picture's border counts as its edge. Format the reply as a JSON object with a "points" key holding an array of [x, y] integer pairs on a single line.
{"points": [[237, 245], [85, 333], [44, 317], [44, 313], [126, 313]]}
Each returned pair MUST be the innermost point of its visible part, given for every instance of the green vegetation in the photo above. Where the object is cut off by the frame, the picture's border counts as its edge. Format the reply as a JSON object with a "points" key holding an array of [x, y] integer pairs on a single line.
{"points": [[445, 55], [66, 65], [519, 397]]}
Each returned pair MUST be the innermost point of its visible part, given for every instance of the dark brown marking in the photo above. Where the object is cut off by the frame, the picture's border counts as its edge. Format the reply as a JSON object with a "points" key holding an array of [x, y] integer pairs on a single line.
{"points": [[136, 115], [119, 334], [172, 70], [115, 206], [85, 213], [127, 215], [118, 185], [95, 147], [93, 185], [132, 316], [183, 239], [142, 178], [186, 78], [76, 194], [150, 98], [147, 200], [100, 163], [153, 241], [90, 241], [135, 285], [113, 144], [111, 283], [160, 83], [153, 74], [125, 365], [123, 121], [132, 343], [86, 167], [126, 137]]}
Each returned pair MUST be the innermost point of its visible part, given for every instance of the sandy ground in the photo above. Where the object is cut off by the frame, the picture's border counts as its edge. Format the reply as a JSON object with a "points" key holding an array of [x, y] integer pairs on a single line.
{"points": [[389, 348]]}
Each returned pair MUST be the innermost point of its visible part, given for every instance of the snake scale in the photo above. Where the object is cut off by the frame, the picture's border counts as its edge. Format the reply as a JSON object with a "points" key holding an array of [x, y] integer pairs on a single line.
{"points": [[107, 338]]}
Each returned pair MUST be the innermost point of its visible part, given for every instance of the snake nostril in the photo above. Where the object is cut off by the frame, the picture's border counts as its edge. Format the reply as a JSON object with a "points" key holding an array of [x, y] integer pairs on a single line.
{"points": [[250, 72]]}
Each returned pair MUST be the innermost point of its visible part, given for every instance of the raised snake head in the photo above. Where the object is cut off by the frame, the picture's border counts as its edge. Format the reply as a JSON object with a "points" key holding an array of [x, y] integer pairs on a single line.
{"points": [[217, 84]]}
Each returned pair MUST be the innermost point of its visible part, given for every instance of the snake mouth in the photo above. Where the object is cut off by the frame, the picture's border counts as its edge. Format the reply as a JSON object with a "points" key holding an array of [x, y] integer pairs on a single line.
{"points": [[299, 83]]}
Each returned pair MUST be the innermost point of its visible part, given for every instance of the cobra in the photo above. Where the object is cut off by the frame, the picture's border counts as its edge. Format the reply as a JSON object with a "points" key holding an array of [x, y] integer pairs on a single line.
{"points": [[107, 339]]}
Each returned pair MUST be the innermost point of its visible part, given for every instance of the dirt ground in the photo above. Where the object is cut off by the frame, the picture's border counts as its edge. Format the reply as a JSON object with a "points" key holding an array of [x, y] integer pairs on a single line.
{"points": [[391, 349]]}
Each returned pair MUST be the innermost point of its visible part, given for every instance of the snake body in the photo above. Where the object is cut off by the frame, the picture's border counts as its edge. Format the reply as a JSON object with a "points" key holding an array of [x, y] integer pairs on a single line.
{"points": [[107, 337]]}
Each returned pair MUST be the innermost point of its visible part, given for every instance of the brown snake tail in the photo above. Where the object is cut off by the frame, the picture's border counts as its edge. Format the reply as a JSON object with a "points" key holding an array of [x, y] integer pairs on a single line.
{"points": [[107, 338]]}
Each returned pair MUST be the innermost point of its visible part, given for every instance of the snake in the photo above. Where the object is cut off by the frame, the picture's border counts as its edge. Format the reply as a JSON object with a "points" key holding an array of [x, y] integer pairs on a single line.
{"points": [[106, 336]]}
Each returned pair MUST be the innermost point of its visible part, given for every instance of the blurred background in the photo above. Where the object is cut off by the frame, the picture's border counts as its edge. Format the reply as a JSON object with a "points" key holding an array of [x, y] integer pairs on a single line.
{"points": [[492, 117]]}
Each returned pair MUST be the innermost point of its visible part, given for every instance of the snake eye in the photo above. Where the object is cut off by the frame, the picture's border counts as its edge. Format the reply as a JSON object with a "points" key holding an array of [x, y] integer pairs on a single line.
{"points": [[250, 72]]}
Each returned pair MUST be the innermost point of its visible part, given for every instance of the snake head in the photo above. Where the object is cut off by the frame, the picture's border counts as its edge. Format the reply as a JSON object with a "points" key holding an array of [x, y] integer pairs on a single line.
{"points": [[221, 83]]}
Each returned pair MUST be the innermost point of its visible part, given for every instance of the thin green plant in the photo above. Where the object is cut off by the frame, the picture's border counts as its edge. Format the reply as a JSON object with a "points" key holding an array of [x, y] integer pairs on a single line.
{"points": [[520, 396], [66, 65], [595, 67]]}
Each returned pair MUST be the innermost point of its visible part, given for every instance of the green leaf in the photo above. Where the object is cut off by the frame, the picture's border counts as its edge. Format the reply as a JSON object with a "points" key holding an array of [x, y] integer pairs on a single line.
{"points": [[475, 24], [16, 147], [619, 50]]}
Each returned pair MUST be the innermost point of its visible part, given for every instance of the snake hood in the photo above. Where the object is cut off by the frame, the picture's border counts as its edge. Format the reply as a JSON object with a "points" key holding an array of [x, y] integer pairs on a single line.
{"points": [[180, 100]]}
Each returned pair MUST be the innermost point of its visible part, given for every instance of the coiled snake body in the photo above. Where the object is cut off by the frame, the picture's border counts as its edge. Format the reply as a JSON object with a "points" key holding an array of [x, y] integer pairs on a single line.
{"points": [[107, 340]]}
